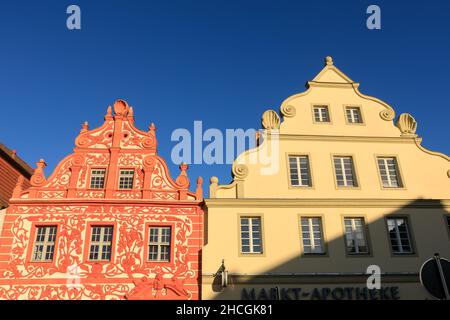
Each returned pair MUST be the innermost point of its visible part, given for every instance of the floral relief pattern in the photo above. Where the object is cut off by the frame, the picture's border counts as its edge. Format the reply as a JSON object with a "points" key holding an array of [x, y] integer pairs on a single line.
{"points": [[128, 261]]}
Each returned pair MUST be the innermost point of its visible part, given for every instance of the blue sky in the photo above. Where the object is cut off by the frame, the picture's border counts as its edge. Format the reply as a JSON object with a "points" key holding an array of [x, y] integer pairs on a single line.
{"points": [[222, 62]]}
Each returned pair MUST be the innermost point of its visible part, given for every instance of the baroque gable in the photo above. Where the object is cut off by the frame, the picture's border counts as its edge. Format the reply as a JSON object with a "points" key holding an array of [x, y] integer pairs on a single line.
{"points": [[116, 145]]}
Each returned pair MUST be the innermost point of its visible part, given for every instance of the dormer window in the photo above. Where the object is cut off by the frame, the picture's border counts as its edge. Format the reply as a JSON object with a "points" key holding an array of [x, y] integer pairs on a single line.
{"points": [[321, 114], [97, 179], [353, 115], [126, 179]]}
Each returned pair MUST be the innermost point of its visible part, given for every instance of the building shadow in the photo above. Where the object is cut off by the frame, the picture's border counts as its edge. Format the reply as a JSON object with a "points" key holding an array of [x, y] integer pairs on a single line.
{"points": [[313, 276]]}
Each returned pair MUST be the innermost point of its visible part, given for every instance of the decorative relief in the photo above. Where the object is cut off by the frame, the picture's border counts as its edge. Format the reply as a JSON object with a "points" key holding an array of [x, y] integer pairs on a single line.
{"points": [[60, 179], [407, 124], [270, 120], [288, 111], [38, 178], [90, 194], [127, 194], [240, 171], [129, 262], [387, 114], [100, 138]]}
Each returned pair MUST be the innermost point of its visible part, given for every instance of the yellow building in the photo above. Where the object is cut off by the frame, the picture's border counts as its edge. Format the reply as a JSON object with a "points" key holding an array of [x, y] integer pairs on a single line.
{"points": [[334, 188]]}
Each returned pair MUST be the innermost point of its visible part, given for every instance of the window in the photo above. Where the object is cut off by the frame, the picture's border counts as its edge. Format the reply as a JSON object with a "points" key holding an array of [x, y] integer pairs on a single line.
{"points": [[299, 171], [100, 246], [159, 244], [312, 235], [126, 179], [399, 235], [345, 172], [251, 235], [355, 239], [389, 173], [97, 178], [321, 114], [353, 115], [44, 244]]}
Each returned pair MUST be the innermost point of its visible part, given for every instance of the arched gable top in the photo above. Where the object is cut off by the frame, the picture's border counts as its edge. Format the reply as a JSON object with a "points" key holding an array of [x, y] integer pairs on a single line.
{"points": [[113, 161]]}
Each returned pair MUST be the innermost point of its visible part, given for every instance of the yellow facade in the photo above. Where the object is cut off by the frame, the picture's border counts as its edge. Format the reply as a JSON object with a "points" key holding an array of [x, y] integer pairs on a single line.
{"points": [[416, 192]]}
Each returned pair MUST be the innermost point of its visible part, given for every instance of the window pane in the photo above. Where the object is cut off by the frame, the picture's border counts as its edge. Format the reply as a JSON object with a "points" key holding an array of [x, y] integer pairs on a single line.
{"points": [[44, 244], [251, 241], [299, 171], [312, 235], [97, 178], [159, 244]]}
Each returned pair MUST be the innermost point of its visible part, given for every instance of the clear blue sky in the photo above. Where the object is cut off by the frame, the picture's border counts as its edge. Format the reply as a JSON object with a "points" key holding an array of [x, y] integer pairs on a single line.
{"points": [[222, 62]]}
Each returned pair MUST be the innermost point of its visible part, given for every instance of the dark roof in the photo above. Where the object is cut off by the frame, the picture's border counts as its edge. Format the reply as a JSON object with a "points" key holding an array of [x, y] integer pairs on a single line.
{"points": [[12, 158]]}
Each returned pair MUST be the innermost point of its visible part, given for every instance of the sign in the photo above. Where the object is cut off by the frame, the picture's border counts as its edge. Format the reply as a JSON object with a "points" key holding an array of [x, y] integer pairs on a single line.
{"points": [[339, 293], [435, 277]]}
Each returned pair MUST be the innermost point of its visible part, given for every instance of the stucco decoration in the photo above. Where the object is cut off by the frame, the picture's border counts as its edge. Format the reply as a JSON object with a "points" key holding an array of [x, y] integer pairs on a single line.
{"points": [[240, 171], [448, 173], [407, 124], [288, 111], [387, 114], [270, 120]]}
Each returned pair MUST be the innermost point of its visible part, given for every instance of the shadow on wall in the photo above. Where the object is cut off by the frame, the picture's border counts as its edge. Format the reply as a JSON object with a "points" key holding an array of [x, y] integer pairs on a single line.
{"points": [[339, 274]]}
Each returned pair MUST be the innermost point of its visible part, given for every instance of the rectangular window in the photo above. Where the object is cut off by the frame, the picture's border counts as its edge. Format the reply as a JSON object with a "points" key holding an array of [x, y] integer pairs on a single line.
{"points": [[321, 114], [355, 238], [312, 235], [159, 244], [251, 235], [97, 178], [44, 244], [345, 172], [399, 235], [101, 243], [126, 179], [389, 173], [353, 115], [299, 171]]}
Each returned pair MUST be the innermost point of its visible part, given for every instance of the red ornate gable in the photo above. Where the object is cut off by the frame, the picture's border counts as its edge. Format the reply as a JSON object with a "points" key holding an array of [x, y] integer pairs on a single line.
{"points": [[115, 145], [73, 207]]}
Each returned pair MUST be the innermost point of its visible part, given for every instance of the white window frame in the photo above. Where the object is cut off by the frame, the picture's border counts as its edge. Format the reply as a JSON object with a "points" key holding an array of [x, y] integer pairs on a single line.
{"points": [[251, 236], [300, 172], [101, 243], [350, 115], [311, 238], [126, 174], [322, 118], [388, 182], [48, 243], [354, 236], [159, 243], [398, 236], [343, 170], [95, 174]]}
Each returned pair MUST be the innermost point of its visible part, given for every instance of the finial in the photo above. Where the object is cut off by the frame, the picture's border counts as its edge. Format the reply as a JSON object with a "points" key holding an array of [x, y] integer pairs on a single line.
{"points": [[19, 187], [13, 153], [152, 127], [199, 190], [41, 163], [329, 61], [108, 115], [183, 180], [38, 178], [131, 114], [183, 167], [214, 180], [84, 127], [121, 108]]}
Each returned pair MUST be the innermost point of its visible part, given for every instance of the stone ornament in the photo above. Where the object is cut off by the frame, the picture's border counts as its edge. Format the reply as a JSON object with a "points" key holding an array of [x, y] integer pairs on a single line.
{"points": [[407, 124], [270, 120]]}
